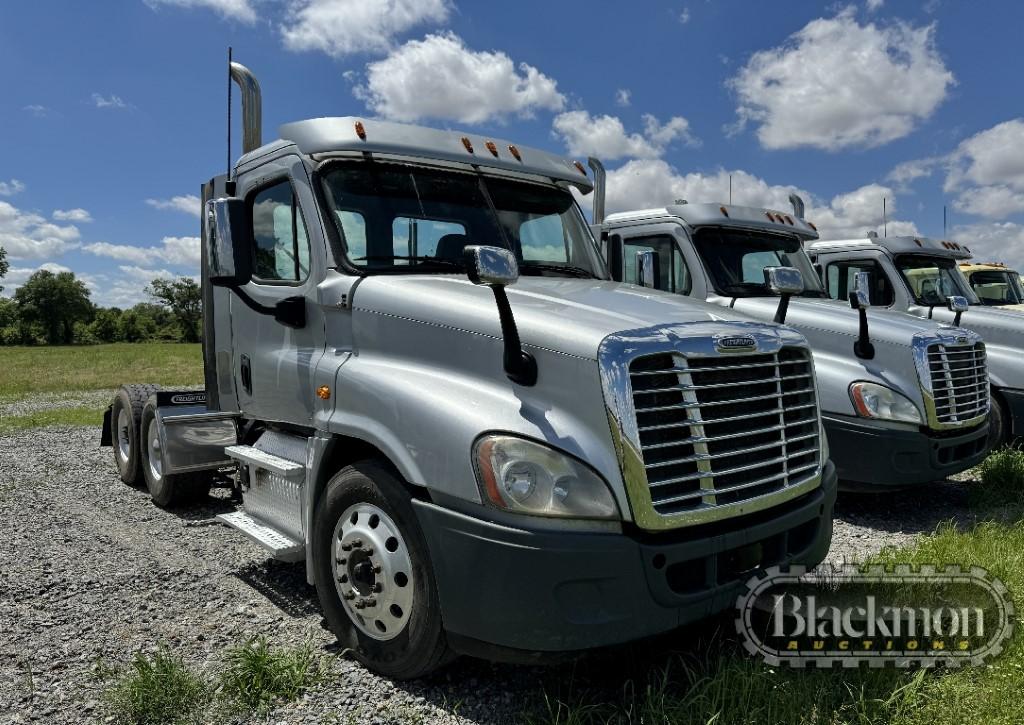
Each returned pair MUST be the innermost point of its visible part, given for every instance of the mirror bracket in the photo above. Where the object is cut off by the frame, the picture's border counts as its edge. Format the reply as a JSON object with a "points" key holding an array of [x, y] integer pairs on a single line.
{"points": [[785, 282], [860, 300]]}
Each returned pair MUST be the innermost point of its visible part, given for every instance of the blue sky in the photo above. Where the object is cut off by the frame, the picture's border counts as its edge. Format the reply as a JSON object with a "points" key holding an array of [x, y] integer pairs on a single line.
{"points": [[113, 112]]}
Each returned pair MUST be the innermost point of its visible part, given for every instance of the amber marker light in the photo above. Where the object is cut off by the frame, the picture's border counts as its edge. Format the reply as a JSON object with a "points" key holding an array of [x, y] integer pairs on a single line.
{"points": [[514, 150], [812, 226], [323, 392], [467, 144], [725, 212], [483, 463], [579, 167], [493, 148], [360, 131]]}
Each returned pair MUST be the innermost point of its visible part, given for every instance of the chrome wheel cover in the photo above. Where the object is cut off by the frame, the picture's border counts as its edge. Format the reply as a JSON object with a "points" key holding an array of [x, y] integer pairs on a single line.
{"points": [[372, 571], [156, 461], [121, 433]]}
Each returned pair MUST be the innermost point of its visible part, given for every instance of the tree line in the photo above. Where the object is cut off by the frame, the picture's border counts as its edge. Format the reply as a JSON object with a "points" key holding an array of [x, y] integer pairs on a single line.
{"points": [[53, 308]]}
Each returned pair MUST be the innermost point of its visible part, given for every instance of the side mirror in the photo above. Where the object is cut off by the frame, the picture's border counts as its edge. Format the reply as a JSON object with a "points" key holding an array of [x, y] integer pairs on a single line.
{"points": [[227, 238], [860, 300], [785, 282], [647, 269], [496, 268], [959, 305]]}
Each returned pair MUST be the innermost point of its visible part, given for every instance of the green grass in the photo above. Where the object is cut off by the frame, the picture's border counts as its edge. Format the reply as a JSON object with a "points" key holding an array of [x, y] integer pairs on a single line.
{"points": [[28, 370], [158, 689], [729, 687], [55, 416], [257, 675]]}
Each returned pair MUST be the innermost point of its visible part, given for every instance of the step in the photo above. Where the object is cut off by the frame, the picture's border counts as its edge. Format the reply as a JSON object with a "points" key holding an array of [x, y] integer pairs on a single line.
{"points": [[280, 546], [267, 461]]}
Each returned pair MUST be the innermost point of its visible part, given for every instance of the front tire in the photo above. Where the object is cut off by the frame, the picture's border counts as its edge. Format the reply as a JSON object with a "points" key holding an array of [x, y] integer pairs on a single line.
{"points": [[998, 424], [166, 490], [373, 573], [125, 418]]}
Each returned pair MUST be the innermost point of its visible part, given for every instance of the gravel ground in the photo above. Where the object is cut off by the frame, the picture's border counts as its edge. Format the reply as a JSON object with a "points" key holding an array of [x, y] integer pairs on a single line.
{"points": [[91, 572], [52, 401]]}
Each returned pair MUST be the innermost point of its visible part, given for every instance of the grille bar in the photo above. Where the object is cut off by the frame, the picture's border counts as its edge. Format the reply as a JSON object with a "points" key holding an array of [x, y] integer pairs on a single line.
{"points": [[959, 382], [720, 430]]}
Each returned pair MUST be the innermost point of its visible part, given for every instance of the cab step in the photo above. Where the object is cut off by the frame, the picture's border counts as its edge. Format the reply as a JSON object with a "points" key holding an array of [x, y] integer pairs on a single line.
{"points": [[280, 546], [283, 467]]}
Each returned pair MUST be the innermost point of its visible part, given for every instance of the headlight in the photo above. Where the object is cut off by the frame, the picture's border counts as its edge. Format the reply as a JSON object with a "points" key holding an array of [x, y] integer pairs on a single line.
{"points": [[877, 401], [522, 476]]}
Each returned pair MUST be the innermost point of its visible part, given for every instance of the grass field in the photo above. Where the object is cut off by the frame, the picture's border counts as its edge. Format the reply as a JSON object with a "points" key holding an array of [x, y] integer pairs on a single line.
{"points": [[30, 370]]}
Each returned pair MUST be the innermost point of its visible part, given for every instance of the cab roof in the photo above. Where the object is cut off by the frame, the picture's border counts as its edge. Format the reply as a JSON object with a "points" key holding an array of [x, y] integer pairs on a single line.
{"points": [[898, 245], [985, 267], [329, 136], [725, 215]]}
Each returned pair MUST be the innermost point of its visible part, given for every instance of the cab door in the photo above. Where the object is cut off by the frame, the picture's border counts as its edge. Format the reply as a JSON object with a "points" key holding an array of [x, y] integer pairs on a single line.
{"points": [[273, 362]]}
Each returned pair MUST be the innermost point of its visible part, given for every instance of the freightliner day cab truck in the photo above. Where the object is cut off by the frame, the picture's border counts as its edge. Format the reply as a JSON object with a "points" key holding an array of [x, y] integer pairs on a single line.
{"points": [[919, 275], [892, 417], [995, 284], [475, 441]]}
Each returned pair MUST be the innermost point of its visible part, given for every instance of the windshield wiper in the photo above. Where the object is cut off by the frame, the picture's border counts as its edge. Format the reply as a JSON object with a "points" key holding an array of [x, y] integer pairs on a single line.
{"points": [[742, 287], [558, 268], [441, 261]]}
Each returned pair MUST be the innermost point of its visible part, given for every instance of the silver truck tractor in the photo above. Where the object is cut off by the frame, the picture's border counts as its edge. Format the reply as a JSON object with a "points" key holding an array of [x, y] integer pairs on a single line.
{"points": [[431, 394], [893, 415], [922, 276]]}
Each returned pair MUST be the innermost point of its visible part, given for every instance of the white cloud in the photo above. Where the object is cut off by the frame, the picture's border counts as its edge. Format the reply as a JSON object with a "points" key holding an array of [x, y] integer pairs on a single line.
{"points": [[640, 184], [110, 101], [12, 187], [992, 156], [241, 10], [991, 202], [684, 16], [72, 215], [27, 235], [873, 5], [36, 110], [183, 251], [187, 203], [909, 171], [439, 77], [622, 97], [993, 242], [606, 137], [342, 27], [836, 84]]}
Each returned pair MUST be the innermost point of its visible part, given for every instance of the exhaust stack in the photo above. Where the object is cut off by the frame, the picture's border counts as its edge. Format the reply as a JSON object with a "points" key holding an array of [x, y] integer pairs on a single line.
{"points": [[798, 205], [252, 107], [599, 189]]}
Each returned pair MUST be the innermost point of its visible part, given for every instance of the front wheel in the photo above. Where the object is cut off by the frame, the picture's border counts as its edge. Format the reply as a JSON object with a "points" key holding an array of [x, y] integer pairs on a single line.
{"points": [[998, 424], [373, 573]]}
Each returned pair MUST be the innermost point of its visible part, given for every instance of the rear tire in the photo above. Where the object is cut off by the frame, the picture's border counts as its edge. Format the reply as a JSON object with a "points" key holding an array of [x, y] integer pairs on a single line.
{"points": [[373, 573], [125, 417], [166, 490]]}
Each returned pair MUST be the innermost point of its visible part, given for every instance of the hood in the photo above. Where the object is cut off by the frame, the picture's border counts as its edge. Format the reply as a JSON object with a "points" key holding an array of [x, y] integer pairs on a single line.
{"points": [[565, 315], [834, 317], [997, 325]]}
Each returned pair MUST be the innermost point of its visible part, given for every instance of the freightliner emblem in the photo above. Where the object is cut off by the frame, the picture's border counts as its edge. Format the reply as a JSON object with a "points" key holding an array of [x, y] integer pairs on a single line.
{"points": [[735, 343]]}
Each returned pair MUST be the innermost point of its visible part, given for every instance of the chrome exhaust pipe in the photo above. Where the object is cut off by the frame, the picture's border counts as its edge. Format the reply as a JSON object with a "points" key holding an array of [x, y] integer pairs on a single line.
{"points": [[599, 189], [252, 107], [798, 205]]}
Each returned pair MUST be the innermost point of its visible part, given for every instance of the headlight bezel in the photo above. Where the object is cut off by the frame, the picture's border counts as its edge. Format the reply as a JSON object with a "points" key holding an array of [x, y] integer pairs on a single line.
{"points": [[540, 501], [869, 401]]}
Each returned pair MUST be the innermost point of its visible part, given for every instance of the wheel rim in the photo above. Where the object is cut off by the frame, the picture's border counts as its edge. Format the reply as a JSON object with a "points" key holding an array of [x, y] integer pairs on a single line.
{"points": [[121, 431], [372, 571], [156, 461]]}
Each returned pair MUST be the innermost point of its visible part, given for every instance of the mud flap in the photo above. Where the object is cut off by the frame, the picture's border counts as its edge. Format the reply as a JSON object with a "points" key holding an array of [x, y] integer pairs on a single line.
{"points": [[106, 438]]}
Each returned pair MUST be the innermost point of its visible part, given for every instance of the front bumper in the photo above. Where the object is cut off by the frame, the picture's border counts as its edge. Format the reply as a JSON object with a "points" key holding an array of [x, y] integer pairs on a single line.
{"points": [[870, 455], [509, 591]]}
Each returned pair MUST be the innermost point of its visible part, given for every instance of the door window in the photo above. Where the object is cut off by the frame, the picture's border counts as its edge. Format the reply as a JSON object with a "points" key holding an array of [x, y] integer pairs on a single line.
{"points": [[280, 243], [675, 275], [841, 280]]}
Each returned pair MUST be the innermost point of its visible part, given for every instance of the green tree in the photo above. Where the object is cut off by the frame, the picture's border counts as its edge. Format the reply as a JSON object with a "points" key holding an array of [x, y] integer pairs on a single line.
{"points": [[55, 302], [183, 298], [135, 325], [3, 265], [104, 326]]}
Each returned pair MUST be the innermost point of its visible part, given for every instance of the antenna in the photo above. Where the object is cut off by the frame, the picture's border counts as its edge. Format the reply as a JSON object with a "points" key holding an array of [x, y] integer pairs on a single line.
{"points": [[885, 226], [943, 221], [730, 189], [229, 114]]}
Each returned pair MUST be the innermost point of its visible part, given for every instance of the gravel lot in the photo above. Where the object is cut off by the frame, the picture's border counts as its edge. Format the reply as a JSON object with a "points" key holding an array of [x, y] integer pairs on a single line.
{"points": [[91, 572]]}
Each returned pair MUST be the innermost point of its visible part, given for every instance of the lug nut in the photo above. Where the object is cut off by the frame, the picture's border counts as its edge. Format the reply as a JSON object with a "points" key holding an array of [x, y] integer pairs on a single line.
{"points": [[350, 594], [346, 547], [368, 551], [357, 543], [376, 569], [369, 601], [341, 560], [360, 605], [378, 588]]}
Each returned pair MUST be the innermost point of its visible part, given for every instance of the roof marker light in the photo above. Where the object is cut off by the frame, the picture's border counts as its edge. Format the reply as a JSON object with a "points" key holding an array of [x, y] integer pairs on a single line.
{"points": [[918, 242], [769, 215], [360, 131], [512, 149], [492, 148], [579, 167], [467, 144], [969, 252], [789, 220], [725, 212], [811, 225]]}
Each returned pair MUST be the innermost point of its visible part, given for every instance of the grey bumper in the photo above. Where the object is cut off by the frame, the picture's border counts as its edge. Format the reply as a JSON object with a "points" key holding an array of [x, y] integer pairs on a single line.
{"points": [[510, 591]]}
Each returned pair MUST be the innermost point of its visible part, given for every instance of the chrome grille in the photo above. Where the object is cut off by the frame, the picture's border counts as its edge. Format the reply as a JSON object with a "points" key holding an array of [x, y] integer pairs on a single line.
{"points": [[959, 381], [722, 430]]}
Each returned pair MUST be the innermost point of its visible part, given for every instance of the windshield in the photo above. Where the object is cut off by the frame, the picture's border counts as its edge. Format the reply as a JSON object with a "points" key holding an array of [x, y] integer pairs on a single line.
{"points": [[736, 259], [997, 287], [405, 219], [933, 279]]}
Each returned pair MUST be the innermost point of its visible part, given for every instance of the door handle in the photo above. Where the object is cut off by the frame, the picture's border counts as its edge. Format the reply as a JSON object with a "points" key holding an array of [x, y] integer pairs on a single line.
{"points": [[247, 374]]}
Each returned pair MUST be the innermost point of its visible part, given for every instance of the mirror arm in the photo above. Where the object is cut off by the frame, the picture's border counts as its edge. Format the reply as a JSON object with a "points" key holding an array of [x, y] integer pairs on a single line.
{"points": [[520, 366], [863, 347], [780, 313], [956, 320], [290, 311]]}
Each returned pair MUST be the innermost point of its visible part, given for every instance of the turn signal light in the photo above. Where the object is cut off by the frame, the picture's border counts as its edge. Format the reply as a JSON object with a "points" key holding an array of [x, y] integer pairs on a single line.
{"points": [[323, 392]]}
